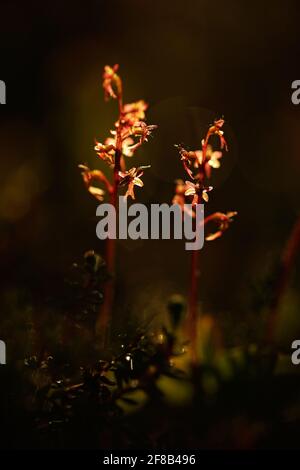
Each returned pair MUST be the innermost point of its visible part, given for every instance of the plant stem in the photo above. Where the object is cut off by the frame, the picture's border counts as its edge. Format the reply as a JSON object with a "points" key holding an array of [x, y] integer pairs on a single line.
{"points": [[194, 275], [192, 310], [103, 323], [288, 258], [192, 319]]}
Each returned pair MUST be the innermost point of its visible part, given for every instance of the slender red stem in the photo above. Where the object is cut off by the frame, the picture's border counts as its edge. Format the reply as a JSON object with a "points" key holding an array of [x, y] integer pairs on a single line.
{"points": [[289, 254], [192, 319], [193, 300], [194, 272], [103, 323]]}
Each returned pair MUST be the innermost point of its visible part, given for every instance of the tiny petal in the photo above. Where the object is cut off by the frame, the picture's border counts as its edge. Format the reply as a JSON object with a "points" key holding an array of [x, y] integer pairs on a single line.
{"points": [[190, 188], [219, 123], [138, 182], [190, 192], [214, 236], [205, 196], [214, 163], [222, 221], [134, 112], [97, 192]]}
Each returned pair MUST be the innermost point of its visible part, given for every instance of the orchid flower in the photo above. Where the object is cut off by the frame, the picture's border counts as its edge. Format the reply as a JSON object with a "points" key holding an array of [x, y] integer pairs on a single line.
{"points": [[132, 178]]}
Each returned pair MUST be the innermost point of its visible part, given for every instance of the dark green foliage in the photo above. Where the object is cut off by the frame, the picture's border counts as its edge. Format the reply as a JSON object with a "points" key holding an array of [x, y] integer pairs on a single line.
{"points": [[142, 392], [82, 297]]}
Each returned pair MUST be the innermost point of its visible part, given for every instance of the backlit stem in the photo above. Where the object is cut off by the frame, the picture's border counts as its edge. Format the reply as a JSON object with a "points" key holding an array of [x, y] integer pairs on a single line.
{"points": [[103, 323]]}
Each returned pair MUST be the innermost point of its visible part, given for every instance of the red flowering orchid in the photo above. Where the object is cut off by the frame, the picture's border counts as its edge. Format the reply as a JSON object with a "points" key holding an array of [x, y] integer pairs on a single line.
{"points": [[199, 192], [216, 129], [129, 133], [198, 165], [89, 176], [188, 159], [222, 221], [132, 178], [142, 130], [106, 151], [127, 144], [211, 160], [180, 198], [130, 130], [133, 112]]}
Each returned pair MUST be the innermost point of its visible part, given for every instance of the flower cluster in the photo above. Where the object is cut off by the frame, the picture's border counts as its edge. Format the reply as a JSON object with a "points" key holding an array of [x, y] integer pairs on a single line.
{"points": [[132, 178], [222, 222], [129, 133], [198, 165], [90, 176]]}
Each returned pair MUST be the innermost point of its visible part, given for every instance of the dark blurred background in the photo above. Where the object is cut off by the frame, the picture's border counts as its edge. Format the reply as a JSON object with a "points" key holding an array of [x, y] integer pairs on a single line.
{"points": [[192, 61]]}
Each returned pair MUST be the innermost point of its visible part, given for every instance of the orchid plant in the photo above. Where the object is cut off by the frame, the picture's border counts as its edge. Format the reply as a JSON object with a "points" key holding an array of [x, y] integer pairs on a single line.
{"points": [[129, 133], [198, 165]]}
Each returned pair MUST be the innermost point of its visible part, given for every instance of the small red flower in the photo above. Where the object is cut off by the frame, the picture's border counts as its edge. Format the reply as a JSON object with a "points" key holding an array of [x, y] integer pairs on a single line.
{"points": [[133, 112], [222, 221], [112, 83], [89, 176], [188, 159], [197, 190], [216, 129], [139, 130], [142, 130], [132, 178], [127, 144], [106, 151]]}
